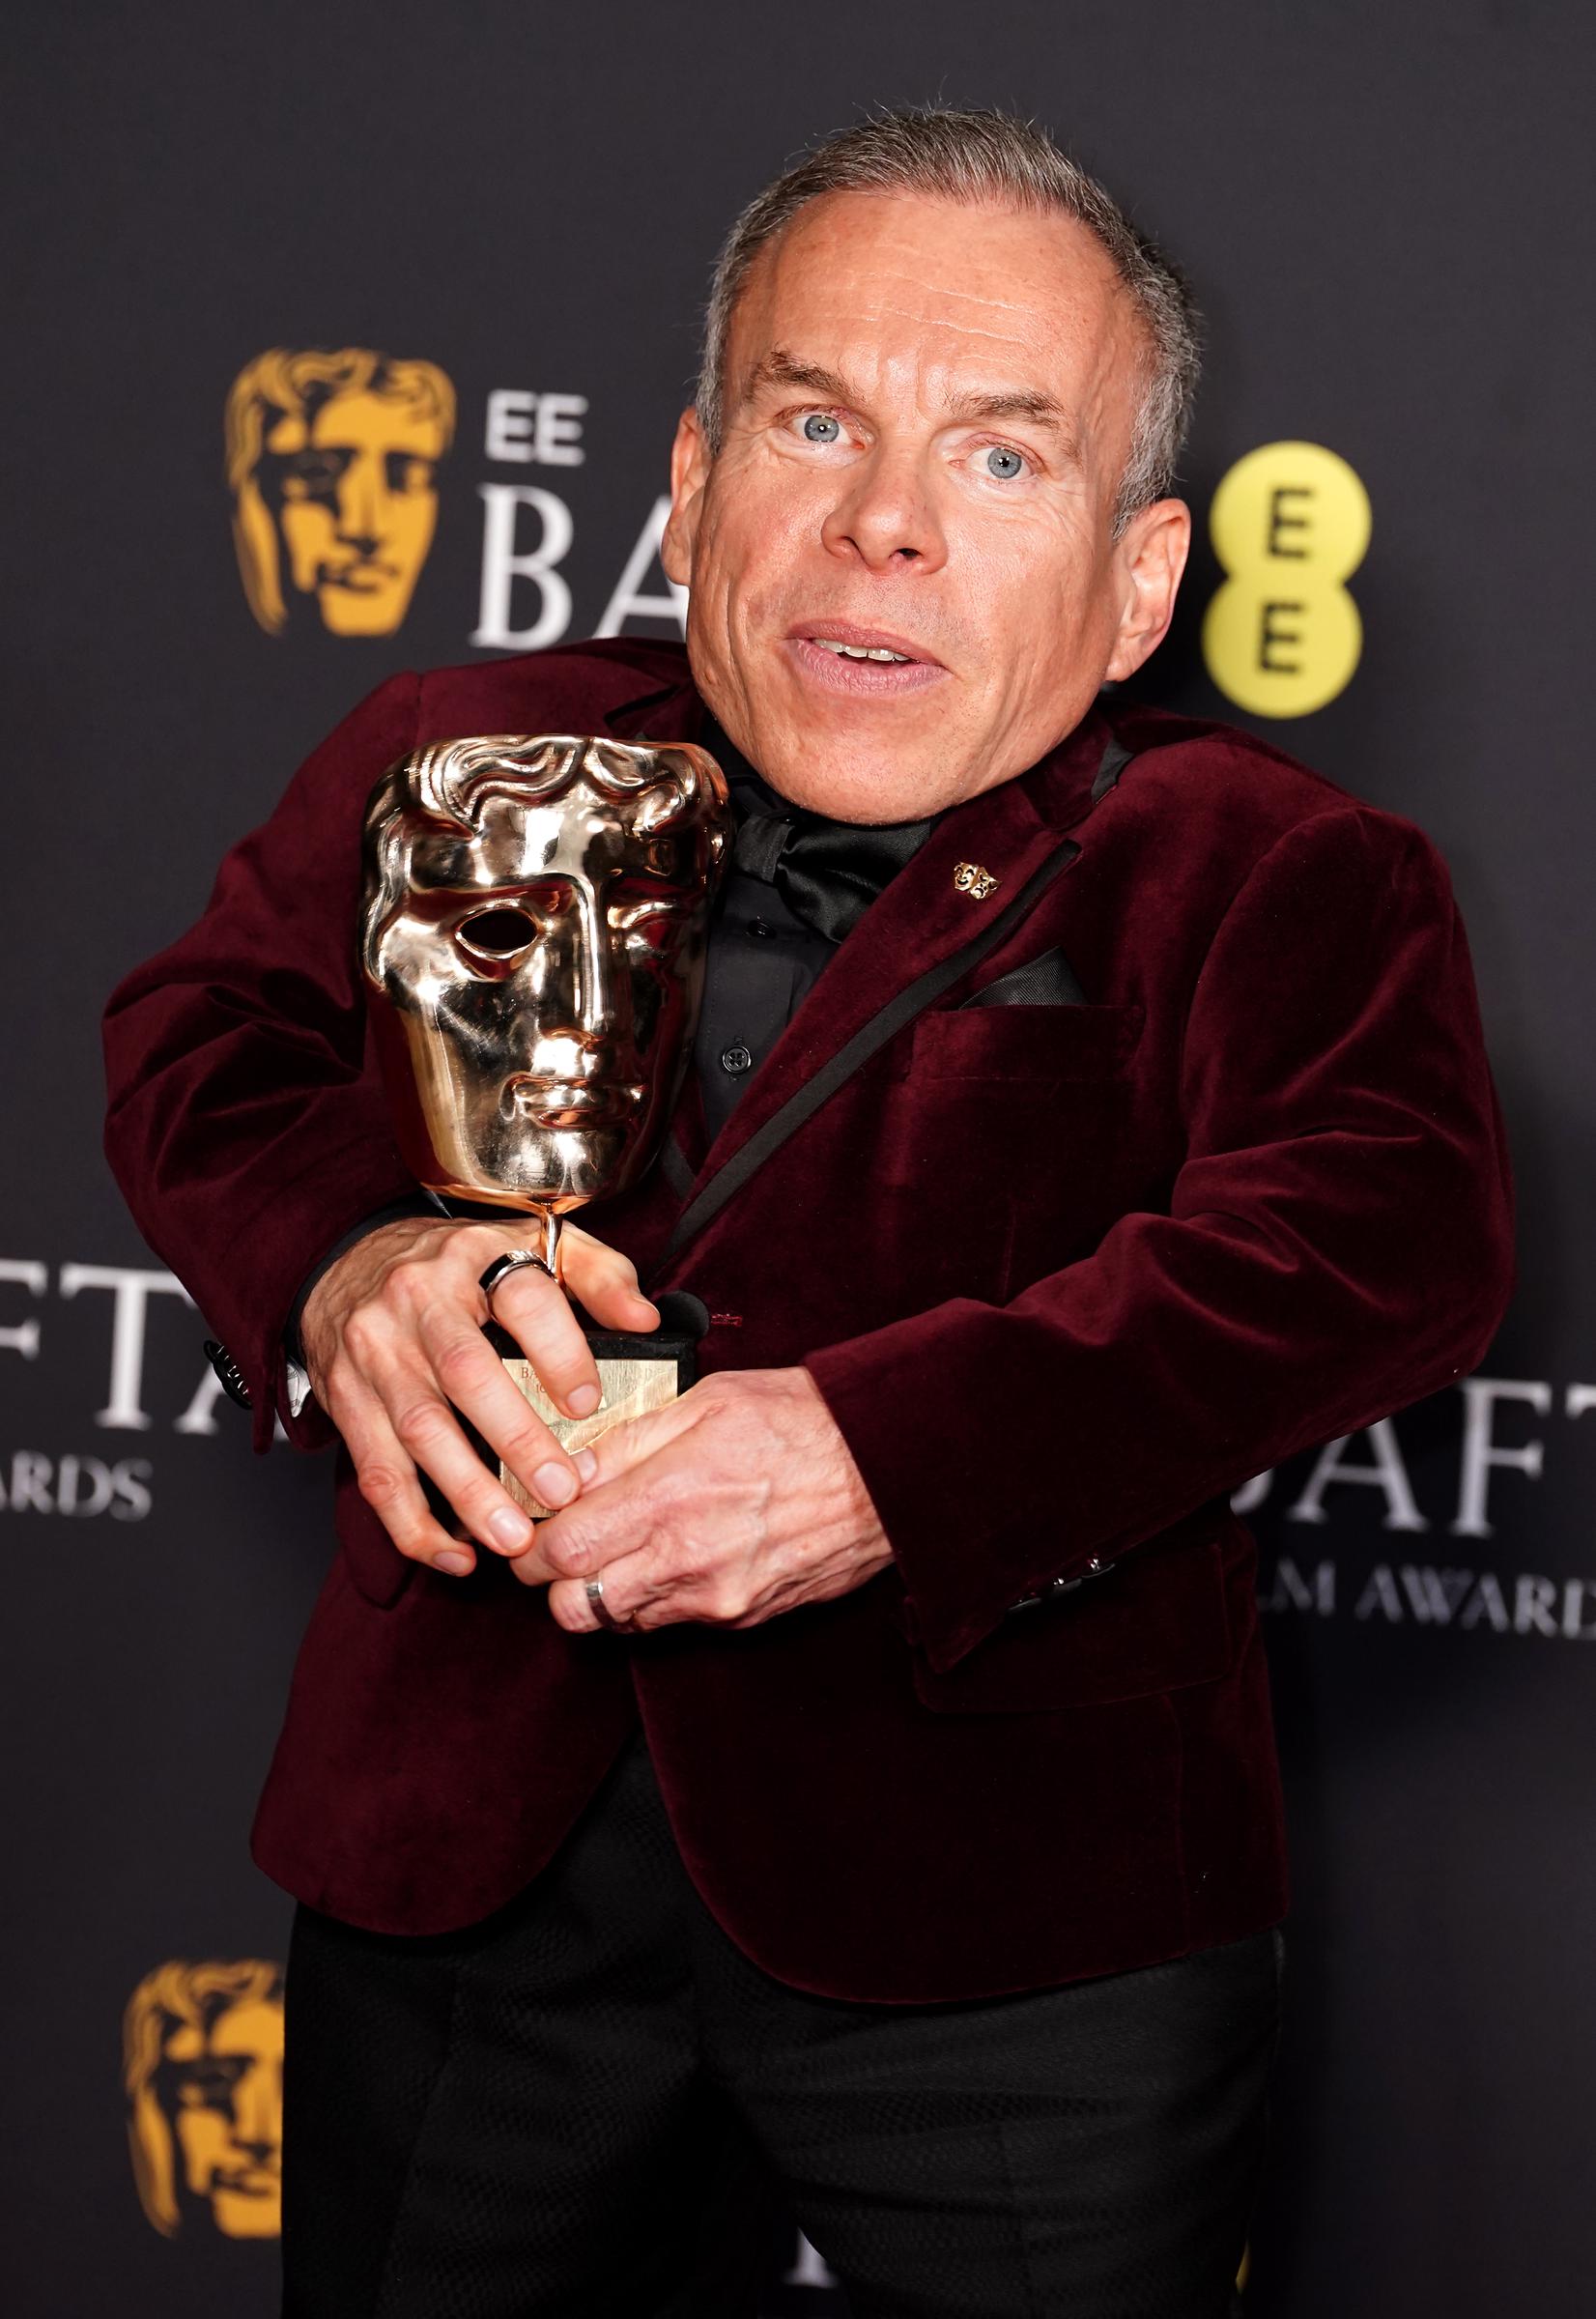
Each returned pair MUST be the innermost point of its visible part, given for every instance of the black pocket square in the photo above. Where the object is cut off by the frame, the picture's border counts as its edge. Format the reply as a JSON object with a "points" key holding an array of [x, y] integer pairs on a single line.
{"points": [[1046, 982]]}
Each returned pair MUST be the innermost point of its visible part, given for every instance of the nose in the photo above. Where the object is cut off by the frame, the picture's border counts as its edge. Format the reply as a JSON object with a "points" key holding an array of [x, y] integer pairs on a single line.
{"points": [[585, 970], [886, 516], [362, 494], [256, 2113]]}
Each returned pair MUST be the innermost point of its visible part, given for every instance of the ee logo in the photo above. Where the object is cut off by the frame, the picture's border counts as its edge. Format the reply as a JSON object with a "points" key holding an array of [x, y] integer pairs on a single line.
{"points": [[1290, 525]]}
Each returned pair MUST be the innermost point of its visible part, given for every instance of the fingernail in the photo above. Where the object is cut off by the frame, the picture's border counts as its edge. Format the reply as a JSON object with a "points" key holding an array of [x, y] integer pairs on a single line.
{"points": [[586, 1464], [555, 1485], [510, 1530], [584, 1400], [646, 1305], [456, 1565]]}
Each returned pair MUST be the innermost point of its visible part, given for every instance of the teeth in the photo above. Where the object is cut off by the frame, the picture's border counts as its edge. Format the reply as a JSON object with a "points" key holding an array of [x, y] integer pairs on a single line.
{"points": [[857, 651]]}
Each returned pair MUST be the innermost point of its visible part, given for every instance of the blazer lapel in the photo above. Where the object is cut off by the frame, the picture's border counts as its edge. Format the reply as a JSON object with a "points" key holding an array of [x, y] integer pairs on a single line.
{"points": [[923, 918]]}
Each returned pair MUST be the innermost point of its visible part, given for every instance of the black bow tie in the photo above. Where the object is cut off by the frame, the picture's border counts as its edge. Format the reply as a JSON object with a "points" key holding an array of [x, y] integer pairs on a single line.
{"points": [[828, 873]]}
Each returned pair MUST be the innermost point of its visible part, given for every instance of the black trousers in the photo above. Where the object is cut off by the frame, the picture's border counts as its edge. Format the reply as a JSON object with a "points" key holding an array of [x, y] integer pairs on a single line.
{"points": [[585, 2108]]}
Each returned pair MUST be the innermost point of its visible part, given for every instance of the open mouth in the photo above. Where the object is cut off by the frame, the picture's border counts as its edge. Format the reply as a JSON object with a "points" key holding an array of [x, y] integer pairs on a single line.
{"points": [[840, 656], [828, 643]]}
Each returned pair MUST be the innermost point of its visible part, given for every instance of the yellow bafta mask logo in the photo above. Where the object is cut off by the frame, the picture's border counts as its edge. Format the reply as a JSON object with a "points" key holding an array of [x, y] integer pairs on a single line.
{"points": [[203, 2067], [332, 462]]}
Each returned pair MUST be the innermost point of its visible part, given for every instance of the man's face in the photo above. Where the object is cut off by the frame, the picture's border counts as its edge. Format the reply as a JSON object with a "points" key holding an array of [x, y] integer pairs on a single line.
{"points": [[227, 2112], [543, 973], [357, 501], [928, 411]]}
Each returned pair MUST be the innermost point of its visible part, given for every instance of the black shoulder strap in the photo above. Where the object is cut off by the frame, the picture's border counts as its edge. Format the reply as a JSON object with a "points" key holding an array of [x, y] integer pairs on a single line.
{"points": [[676, 1167]]}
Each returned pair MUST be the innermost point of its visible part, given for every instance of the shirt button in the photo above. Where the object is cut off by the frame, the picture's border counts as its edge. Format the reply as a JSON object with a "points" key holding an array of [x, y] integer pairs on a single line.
{"points": [[735, 1058], [758, 925]]}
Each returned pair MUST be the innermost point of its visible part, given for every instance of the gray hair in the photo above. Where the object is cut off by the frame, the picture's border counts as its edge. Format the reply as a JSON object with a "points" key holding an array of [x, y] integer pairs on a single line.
{"points": [[993, 158]]}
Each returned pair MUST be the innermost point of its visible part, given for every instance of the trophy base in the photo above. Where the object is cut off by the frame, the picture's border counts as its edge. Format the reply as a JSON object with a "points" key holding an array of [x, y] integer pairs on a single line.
{"points": [[637, 1372]]}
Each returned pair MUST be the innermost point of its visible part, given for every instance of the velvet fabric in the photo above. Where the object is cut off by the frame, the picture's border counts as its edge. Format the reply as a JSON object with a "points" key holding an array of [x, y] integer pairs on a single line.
{"points": [[1066, 1274]]}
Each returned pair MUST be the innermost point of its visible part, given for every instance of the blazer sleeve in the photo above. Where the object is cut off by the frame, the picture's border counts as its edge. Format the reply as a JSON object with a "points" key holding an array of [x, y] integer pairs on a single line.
{"points": [[1338, 1244], [240, 1128]]}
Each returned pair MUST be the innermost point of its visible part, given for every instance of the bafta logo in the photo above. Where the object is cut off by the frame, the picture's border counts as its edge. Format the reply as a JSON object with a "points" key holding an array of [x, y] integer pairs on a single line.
{"points": [[202, 2064], [332, 462]]}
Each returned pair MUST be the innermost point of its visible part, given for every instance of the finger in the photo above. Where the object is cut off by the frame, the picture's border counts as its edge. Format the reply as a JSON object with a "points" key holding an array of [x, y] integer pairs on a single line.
{"points": [[605, 1281], [387, 1481], [658, 1584], [564, 1548], [628, 1597], [628, 1443], [429, 1432], [644, 1506], [440, 1305], [593, 1532], [570, 1608], [475, 1381], [538, 1315]]}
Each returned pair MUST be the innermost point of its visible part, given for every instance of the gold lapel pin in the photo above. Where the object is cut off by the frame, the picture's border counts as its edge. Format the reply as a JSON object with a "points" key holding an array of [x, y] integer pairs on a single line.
{"points": [[972, 880]]}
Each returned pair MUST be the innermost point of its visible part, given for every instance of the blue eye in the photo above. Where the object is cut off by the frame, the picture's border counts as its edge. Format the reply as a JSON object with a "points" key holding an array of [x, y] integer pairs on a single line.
{"points": [[821, 427], [1006, 464]]}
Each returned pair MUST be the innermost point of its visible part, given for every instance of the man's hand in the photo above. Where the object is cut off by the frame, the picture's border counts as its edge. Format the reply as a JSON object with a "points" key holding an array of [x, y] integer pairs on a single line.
{"points": [[392, 1336], [736, 1503]]}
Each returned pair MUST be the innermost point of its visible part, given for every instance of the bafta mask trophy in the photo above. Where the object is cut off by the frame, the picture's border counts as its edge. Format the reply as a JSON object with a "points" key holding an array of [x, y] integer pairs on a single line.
{"points": [[536, 915]]}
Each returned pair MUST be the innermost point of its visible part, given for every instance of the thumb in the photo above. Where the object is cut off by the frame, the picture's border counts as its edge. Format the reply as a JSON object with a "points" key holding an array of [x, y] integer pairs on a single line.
{"points": [[597, 1527], [626, 1443]]}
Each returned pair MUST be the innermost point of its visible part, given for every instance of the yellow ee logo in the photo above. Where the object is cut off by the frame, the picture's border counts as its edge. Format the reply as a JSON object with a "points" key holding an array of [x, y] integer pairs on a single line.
{"points": [[1290, 525]]}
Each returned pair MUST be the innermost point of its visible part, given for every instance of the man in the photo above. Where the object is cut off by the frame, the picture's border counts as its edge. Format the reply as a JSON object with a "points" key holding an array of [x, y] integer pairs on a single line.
{"points": [[1117, 1125]]}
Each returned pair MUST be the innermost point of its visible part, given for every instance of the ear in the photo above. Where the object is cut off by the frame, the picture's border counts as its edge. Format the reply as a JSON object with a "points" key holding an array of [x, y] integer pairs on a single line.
{"points": [[690, 464], [1150, 556]]}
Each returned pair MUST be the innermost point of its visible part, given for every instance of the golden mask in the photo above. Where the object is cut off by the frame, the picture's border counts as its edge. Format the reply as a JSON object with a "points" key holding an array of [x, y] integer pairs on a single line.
{"points": [[535, 925]]}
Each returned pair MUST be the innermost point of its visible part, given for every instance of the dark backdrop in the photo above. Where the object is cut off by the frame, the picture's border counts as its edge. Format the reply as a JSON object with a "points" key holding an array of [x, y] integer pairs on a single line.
{"points": [[1386, 210]]}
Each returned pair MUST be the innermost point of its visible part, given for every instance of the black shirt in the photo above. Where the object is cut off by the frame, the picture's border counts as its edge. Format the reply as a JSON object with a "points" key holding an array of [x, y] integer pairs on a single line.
{"points": [[761, 958]]}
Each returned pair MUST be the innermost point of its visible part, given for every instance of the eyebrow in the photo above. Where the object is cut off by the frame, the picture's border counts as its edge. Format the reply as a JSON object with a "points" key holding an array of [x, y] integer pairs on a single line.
{"points": [[782, 369]]}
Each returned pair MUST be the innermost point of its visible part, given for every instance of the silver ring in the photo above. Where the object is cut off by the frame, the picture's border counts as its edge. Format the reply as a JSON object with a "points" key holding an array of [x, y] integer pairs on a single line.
{"points": [[606, 1617], [548, 1261]]}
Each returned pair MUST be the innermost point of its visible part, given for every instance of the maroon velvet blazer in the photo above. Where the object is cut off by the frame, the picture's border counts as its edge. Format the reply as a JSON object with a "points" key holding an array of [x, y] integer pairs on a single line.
{"points": [[1065, 1275]]}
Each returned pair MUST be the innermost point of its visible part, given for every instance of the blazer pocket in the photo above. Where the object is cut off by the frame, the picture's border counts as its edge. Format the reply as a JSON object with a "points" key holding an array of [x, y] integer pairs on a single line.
{"points": [[1047, 1044], [1155, 1620], [1047, 981]]}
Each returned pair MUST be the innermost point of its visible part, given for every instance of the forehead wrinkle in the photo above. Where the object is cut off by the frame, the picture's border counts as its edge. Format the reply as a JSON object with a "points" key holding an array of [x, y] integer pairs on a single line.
{"points": [[1036, 314], [808, 241], [1100, 334], [1091, 281], [948, 294], [965, 330]]}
